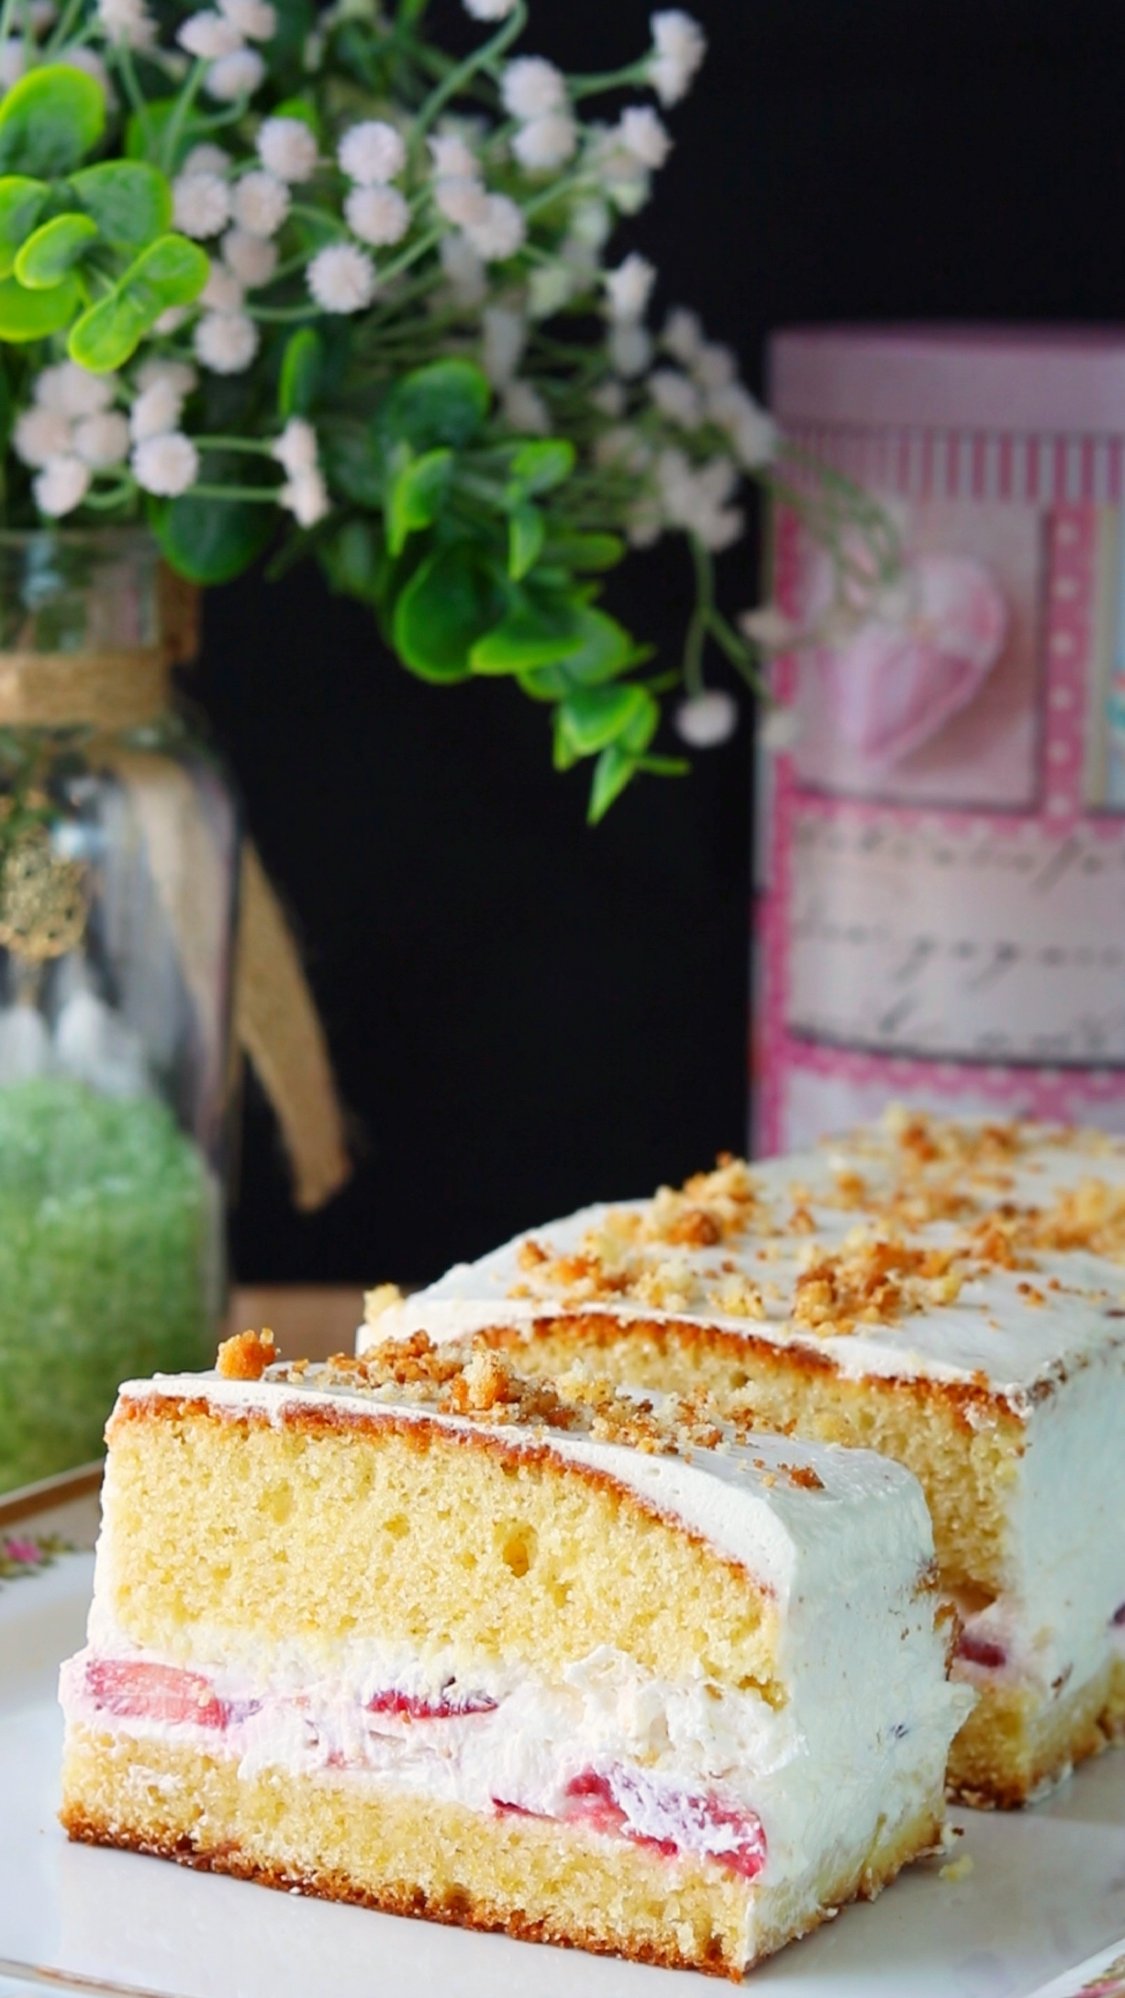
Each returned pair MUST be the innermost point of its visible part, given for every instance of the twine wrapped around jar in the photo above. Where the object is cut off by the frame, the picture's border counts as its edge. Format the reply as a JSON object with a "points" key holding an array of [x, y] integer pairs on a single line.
{"points": [[275, 1018]]}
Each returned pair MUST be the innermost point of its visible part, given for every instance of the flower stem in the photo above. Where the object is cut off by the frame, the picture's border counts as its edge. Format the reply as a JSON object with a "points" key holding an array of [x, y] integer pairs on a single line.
{"points": [[259, 494], [177, 121], [465, 71]]}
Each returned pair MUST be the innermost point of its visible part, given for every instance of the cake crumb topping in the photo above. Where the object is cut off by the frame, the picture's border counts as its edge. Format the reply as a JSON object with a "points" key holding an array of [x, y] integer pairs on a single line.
{"points": [[246, 1356]]}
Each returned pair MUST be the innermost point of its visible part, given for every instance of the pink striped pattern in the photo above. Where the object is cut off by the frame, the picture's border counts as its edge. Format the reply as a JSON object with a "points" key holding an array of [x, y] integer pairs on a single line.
{"points": [[978, 465]]}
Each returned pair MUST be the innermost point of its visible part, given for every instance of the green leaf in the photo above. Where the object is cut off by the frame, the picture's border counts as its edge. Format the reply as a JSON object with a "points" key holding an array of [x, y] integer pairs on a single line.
{"points": [[445, 402], [32, 315], [302, 108], [49, 121], [51, 252], [449, 602], [21, 204], [533, 632], [208, 540], [605, 649], [526, 531], [612, 771], [587, 551], [596, 716], [541, 463], [130, 201], [144, 131], [353, 462], [665, 766], [172, 271], [416, 496], [352, 560], [301, 366], [564, 756]]}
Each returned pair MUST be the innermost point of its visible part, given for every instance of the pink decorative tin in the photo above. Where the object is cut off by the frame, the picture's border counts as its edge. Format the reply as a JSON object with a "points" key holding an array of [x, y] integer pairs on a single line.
{"points": [[942, 852]]}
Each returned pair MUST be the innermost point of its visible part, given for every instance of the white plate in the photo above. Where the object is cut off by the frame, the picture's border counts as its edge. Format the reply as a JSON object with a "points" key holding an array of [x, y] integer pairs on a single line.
{"points": [[1047, 1887]]}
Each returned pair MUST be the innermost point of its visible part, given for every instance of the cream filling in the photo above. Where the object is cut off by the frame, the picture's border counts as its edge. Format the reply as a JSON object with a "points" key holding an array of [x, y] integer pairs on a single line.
{"points": [[696, 1769]]}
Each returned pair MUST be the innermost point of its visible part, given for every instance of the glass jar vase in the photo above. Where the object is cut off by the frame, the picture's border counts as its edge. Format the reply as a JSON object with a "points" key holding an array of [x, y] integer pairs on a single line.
{"points": [[119, 850]]}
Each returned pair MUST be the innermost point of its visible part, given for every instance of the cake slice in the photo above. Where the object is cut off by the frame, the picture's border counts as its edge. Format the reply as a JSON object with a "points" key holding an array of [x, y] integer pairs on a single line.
{"points": [[443, 1643], [951, 1295]]}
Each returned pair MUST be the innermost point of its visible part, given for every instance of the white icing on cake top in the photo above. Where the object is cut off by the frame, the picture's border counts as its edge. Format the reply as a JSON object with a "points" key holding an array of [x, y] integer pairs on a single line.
{"points": [[1052, 1203]]}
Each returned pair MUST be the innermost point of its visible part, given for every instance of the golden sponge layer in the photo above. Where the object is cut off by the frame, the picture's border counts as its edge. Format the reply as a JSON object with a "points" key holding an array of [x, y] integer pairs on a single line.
{"points": [[965, 1471], [1010, 1747], [327, 1528], [408, 1855]]}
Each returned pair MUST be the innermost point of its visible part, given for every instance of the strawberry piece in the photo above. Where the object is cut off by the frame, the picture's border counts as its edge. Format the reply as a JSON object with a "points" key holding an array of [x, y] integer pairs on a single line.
{"points": [[411, 1706], [505, 1809], [154, 1692], [596, 1803], [981, 1651]]}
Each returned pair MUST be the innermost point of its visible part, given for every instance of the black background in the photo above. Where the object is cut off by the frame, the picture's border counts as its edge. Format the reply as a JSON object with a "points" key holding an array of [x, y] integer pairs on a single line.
{"points": [[525, 1014]]}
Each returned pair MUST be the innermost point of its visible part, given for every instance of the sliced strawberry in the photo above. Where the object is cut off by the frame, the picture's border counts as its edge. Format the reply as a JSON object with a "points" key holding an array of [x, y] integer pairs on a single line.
{"points": [[981, 1651], [154, 1692], [597, 1801], [505, 1809], [411, 1706]]}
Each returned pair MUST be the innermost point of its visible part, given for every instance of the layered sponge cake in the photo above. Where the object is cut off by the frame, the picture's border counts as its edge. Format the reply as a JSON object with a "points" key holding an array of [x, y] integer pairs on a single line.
{"points": [[952, 1295], [443, 1642]]}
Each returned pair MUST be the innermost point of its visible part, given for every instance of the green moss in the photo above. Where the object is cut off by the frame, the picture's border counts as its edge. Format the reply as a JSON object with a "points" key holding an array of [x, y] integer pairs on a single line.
{"points": [[105, 1225]]}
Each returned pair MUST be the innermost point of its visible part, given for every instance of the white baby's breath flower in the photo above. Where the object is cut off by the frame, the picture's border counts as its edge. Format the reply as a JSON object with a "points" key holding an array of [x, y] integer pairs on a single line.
{"points": [[288, 148], [306, 497], [377, 215], [630, 348], [234, 76], [715, 366], [226, 342], [180, 376], [641, 133], [706, 720], [505, 336], [171, 319], [252, 259], [549, 288], [546, 142], [463, 202], [489, 10], [768, 627], [676, 397], [610, 398], [156, 410], [372, 153], [591, 223], [255, 19], [167, 465], [208, 36], [629, 287], [206, 158], [696, 498], [531, 86], [222, 291], [13, 61], [679, 46], [524, 409], [41, 15], [464, 271], [779, 730], [644, 523], [102, 440], [41, 434], [72, 390], [201, 204], [500, 232], [452, 157], [127, 21], [623, 447], [619, 173], [261, 203], [752, 431], [295, 447], [342, 278], [61, 485]]}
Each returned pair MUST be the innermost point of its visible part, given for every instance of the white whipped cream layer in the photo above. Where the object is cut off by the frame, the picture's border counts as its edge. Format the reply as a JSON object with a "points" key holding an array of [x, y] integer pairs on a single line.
{"points": [[869, 1714]]}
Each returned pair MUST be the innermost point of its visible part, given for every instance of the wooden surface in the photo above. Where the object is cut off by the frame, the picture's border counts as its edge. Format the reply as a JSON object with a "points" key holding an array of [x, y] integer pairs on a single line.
{"points": [[308, 1321]]}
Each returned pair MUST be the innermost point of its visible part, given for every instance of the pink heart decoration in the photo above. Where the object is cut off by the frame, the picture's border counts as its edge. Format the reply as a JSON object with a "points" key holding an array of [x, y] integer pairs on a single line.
{"points": [[892, 685]]}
